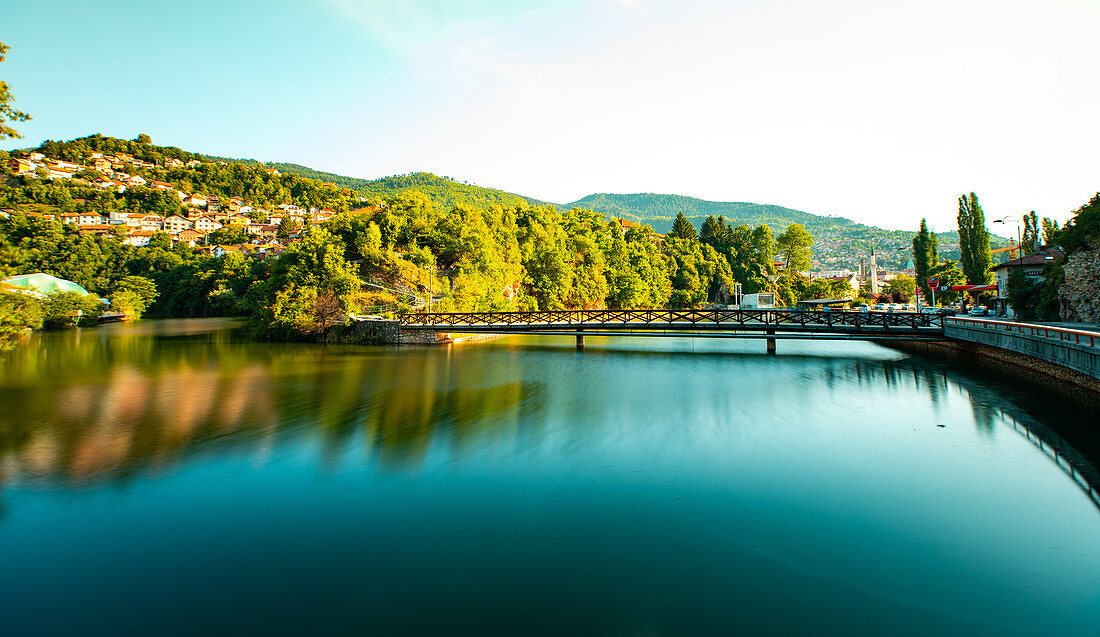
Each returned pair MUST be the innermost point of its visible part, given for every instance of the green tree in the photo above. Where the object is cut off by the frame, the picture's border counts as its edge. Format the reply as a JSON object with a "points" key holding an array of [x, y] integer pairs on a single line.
{"points": [[973, 241], [1029, 241], [228, 236], [286, 227], [18, 312], [682, 228], [1050, 229], [903, 285], [133, 295], [70, 309], [794, 246], [925, 257], [949, 274], [311, 287], [7, 111]]}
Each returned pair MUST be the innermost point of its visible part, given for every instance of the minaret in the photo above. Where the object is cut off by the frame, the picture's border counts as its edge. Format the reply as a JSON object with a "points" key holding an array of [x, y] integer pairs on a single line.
{"points": [[874, 273]]}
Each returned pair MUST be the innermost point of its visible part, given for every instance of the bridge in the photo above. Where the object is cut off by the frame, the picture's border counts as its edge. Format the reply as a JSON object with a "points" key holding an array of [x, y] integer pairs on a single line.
{"points": [[768, 324]]}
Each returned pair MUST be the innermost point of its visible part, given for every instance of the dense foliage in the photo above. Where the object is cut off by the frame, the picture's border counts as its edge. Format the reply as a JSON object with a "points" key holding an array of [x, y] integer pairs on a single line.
{"points": [[973, 241]]}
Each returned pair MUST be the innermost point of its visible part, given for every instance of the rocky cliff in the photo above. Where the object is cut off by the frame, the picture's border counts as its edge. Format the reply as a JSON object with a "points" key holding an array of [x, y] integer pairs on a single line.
{"points": [[1079, 295]]}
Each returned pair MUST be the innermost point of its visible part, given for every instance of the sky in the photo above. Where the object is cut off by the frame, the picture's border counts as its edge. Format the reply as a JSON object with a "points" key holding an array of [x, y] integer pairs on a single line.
{"points": [[882, 112]]}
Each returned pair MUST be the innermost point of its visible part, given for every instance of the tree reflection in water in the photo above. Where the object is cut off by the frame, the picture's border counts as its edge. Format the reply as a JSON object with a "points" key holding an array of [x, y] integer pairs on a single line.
{"points": [[108, 404]]}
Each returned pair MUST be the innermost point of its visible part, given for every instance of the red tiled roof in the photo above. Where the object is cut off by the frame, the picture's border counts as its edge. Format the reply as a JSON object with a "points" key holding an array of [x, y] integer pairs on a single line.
{"points": [[1043, 257]]}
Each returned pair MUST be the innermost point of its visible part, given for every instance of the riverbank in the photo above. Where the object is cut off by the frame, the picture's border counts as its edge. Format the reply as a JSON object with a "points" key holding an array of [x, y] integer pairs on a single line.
{"points": [[1007, 365]]}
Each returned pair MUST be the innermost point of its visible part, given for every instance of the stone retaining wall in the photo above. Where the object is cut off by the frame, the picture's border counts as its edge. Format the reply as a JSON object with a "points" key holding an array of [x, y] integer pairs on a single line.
{"points": [[1079, 294], [389, 332], [1059, 381], [1021, 348]]}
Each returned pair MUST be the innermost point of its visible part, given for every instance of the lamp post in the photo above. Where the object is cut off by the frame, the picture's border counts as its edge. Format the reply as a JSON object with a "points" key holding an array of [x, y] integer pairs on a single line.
{"points": [[428, 268], [1019, 238]]}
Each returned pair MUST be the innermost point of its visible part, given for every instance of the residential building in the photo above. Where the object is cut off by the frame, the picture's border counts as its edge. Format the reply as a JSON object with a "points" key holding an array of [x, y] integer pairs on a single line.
{"points": [[139, 237], [189, 236], [1031, 265], [175, 224], [22, 166], [206, 224]]}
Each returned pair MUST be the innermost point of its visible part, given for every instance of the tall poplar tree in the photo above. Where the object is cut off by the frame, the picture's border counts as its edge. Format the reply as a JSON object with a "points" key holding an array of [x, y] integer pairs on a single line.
{"points": [[925, 257], [1050, 228], [973, 241], [1030, 240]]}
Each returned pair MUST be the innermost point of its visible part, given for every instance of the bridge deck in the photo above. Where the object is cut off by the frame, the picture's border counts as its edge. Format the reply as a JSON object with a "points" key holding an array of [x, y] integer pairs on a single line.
{"points": [[772, 321]]}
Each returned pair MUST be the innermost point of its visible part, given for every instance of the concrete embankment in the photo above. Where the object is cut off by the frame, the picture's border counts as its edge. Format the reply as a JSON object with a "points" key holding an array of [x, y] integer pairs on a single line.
{"points": [[1066, 362]]}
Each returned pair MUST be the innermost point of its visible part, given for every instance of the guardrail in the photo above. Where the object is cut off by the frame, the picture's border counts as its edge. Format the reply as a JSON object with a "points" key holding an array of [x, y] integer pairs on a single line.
{"points": [[1065, 334], [696, 319]]}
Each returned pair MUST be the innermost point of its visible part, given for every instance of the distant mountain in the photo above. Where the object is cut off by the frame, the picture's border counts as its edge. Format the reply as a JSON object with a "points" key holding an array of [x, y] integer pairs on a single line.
{"points": [[660, 210]]}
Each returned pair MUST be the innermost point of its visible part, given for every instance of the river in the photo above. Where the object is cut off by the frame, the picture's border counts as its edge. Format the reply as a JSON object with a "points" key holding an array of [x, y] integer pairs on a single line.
{"points": [[171, 477]]}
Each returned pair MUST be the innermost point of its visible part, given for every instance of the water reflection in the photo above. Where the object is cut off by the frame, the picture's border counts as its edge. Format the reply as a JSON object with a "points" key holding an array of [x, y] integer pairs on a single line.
{"points": [[88, 406]]}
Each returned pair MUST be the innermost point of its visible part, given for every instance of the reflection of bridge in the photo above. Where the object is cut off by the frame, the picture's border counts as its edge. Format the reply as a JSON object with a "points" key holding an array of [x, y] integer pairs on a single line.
{"points": [[768, 324]]}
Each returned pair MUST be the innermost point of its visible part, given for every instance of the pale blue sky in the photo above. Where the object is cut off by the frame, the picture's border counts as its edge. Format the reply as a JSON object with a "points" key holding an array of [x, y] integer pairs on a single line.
{"points": [[880, 111]]}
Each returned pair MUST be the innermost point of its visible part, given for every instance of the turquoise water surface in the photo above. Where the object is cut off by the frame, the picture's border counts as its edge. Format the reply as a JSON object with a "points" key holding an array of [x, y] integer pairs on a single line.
{"points": [[169, 477]]}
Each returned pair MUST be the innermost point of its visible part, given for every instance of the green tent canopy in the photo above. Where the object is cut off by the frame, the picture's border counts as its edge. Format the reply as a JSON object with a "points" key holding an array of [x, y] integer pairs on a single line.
{"points": [[44, 283]]}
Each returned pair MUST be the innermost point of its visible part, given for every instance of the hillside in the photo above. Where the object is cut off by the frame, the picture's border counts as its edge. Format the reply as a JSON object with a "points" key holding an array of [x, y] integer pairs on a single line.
{"points": [[838, 242], [443, 191]]}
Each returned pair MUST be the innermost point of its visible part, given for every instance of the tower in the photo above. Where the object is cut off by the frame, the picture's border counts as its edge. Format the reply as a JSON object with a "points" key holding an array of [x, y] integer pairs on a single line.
{"points": [[874, 273]]}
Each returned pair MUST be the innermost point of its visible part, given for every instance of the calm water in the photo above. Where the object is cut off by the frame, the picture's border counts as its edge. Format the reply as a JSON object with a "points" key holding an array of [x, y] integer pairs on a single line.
{"points": [[170, 478]]}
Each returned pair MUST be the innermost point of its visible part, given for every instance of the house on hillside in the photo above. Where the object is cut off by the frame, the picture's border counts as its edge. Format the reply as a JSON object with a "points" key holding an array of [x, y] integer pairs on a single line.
{"points": [[138, 238], [22, 166], [206, 224], [851, 280], [196, 201], [96, 230], [1031, 265], [89, 219], [176, 224], [188, 236], [60, 173]]}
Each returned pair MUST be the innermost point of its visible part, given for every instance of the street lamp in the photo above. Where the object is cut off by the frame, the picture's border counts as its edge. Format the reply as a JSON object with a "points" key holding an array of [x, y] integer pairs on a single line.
{"points": [[1019, 238]]}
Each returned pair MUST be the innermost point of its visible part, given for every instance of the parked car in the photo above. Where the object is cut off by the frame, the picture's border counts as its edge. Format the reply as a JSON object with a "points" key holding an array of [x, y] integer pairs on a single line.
{"points": [[863, 307], [977, 310]]}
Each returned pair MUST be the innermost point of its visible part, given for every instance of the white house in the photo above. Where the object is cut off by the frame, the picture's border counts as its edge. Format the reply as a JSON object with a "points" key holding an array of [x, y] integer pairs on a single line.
{"points": [[175, 224], [138, 238]]}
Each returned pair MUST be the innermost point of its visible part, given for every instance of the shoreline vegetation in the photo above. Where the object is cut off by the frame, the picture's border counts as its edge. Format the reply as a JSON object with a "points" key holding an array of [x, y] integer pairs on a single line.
{"points": [[335, 253]]}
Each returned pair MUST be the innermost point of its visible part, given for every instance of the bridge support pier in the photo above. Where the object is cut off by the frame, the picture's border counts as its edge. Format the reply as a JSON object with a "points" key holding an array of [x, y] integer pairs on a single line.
{"points": [[771, 342], [580, 342]]}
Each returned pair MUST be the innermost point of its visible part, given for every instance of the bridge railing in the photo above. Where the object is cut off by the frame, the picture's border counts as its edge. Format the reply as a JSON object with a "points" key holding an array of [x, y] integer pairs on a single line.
{"points": [[1064, 334], [716, 317]]}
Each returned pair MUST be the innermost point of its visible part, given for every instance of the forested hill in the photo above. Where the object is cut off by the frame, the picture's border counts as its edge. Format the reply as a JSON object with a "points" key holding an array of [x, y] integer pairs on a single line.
{"points": [[443, 191], [839, 242], [659, 210]]}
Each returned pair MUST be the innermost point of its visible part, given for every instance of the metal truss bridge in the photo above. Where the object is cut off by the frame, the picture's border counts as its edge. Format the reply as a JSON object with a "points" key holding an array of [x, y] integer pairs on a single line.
{"points": [[769, 324]]}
